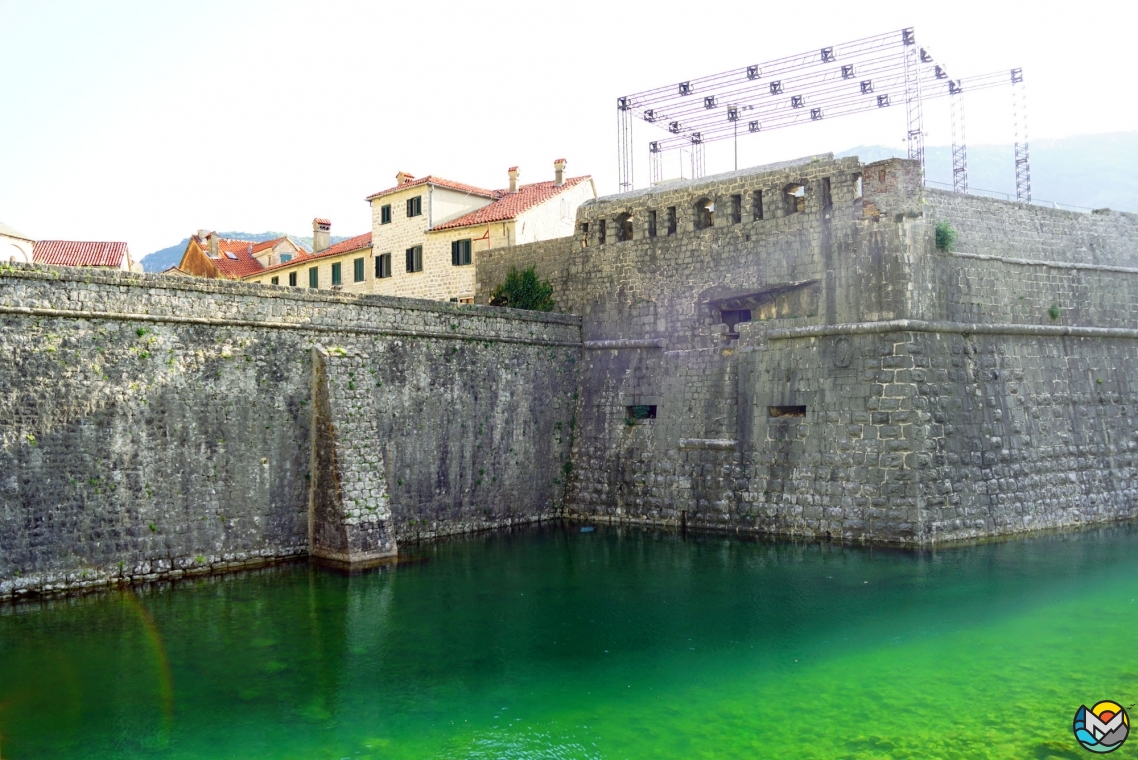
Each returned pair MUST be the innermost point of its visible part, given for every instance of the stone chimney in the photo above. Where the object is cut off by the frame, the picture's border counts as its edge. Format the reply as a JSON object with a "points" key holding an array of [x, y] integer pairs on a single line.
{"points": [[321, 234], [513, 179], [402, 178], [213, 251], [559, 172]]}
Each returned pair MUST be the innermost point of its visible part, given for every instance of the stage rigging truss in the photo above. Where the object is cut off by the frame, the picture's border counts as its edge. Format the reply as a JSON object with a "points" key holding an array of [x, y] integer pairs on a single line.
{"points": [[884, 71]]}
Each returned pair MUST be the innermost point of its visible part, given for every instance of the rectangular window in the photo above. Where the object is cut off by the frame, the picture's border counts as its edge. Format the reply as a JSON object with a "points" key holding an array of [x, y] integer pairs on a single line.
{"points": [[415, 206], [383, 265], [671, 220], [585, 234], [358, 270], [602, 231], [640, 412], [787, 411], [460, 252], [827, 200], [757, 205], [292, 279], [385, 214], [651, 224], [337, 275], [286, 257], [736, 209], [314, 277], [857, 187], [415, 259], [276, 280]]}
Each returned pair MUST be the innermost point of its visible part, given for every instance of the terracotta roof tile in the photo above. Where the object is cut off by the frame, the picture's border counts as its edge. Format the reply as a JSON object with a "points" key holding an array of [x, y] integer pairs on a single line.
{"points": [[318, 220], [71, 253], [236, 259], [344, 246], [508, 205], [438, 182]]}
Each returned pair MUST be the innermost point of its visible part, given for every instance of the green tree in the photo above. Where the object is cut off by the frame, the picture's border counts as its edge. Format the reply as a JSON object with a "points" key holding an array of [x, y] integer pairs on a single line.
{"points": [[524, 290], [945, 236]]}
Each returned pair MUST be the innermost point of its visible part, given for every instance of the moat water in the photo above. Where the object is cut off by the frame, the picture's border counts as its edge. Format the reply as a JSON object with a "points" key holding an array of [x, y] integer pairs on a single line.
{"points": [[557, 643]]}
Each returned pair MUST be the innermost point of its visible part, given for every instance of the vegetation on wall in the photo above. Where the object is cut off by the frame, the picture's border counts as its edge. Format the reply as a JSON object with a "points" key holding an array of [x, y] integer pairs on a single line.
{"points": [[524, 290], [945, 236]]}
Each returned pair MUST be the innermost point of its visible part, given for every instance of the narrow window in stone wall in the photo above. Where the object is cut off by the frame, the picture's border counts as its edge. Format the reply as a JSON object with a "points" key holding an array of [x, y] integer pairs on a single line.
{"points": [[314, 277], [337, 275], [584, 234], [415, 259], [358, 270], [383, 265], [704, 213], [757, 205], [624, 227], [671, 220], [385, 214], [651, 224], [415, 206], [736, 209], [827, 200], [795, 199], [292, 279], [858, 192], [460, 252], [276, 281], [602, 232]]}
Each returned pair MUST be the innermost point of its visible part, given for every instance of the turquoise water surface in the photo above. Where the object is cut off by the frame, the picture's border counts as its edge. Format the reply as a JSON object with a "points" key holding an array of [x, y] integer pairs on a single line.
{"points": [[617, 643]]}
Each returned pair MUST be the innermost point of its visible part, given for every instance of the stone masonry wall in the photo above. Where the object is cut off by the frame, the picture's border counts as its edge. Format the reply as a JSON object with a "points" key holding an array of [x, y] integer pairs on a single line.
{"points": [[154, 425], [883, 390]]}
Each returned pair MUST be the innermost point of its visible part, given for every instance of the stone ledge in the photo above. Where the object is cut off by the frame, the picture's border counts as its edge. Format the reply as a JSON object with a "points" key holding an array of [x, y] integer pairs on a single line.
{"points": [[716, 444], [958, 328], [1039, 262], [596, 345]]}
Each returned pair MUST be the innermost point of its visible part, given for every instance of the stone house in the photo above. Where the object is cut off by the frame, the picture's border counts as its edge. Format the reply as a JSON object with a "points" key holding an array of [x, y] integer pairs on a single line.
{"points": [[82, 253], [212, 256], [15, 247], [347, 265], [427, 232]]}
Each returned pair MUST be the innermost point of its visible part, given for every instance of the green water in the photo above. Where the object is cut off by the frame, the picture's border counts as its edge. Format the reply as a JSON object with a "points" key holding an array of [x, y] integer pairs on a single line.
{"points": [[553, 643]]}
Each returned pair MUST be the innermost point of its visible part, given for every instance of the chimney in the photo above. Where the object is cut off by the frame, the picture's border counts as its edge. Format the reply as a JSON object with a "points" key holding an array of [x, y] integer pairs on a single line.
{"points": [[321, 234], [213, 252], [513, 179], [559, 172], [402, 178]]}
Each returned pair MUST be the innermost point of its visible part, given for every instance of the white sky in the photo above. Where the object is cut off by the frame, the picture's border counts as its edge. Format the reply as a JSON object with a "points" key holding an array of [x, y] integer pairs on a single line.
{"points": [[144, 121]]}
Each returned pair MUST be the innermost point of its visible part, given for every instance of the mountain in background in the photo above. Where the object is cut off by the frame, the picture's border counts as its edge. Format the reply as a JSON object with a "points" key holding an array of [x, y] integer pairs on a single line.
{"points": [[1089, 171], [169, 257]]}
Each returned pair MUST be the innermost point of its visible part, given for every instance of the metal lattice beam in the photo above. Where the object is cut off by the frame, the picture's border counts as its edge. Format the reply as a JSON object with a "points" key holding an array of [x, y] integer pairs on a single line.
{"points": [[1019, 120]]}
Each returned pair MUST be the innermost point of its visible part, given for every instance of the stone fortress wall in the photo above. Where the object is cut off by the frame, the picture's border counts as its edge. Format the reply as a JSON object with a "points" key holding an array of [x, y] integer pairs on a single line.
{"points": [[154, 426], [777, 350], [883, 389]]}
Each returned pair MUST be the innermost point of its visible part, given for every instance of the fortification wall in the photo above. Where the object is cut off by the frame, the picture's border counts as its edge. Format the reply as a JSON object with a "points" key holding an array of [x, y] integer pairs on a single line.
{"points": [[154, 426], [883, 390]]}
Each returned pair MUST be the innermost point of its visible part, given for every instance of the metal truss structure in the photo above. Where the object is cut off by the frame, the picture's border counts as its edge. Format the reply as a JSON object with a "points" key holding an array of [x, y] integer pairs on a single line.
{"points": [[854, 77]]}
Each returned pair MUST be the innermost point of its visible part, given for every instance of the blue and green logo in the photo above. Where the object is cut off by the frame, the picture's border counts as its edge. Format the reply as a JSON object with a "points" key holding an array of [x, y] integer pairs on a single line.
{"points": [[1102, 728]]}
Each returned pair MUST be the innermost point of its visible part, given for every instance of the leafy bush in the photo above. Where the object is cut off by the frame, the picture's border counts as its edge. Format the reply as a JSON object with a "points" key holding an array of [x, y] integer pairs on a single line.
{"points": [[524, 290], [1054, 311], [945, 236]]}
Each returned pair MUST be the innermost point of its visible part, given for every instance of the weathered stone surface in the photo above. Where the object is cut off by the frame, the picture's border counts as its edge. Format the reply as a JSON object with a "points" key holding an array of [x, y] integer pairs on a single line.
{"points": [[153, 424], [941, 399]]}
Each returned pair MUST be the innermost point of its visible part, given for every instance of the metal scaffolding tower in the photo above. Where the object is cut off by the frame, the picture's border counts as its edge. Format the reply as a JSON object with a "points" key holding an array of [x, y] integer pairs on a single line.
{"points": [[853, 77], [1019, 118]]}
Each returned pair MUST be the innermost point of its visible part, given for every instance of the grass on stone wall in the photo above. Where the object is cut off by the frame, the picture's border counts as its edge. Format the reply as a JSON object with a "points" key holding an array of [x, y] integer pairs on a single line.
{"points": [[945, 236]]}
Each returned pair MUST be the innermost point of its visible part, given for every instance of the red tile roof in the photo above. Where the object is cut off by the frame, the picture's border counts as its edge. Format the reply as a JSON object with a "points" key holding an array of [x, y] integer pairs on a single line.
{"points": [[508, 205], [71, 253], [236, 259], [344, 246], [258, 247], [318, 220], [439, 182]]}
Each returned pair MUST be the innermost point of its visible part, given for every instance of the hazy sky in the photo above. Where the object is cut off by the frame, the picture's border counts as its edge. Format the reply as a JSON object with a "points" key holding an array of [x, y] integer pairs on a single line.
{"points": [[144, 121]]}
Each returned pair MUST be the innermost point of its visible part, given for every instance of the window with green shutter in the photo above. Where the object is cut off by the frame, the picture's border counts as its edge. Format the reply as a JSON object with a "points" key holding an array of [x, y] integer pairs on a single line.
{"points": [[383, 265], [385, 214], [337, 278], [415, 206], [314, 277], [415, 259], [276, 280], [358, 270], [460, 252], [292, 279]]}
